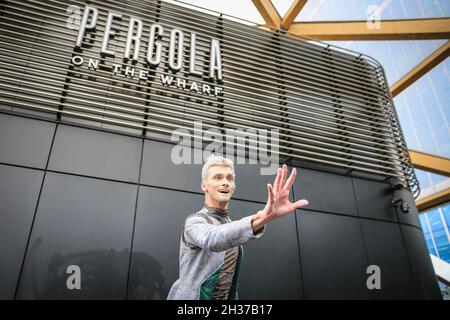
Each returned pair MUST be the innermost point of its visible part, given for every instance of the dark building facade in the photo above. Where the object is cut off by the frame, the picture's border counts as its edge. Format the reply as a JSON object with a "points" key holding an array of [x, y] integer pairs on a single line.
{"points": [[90, 95]]}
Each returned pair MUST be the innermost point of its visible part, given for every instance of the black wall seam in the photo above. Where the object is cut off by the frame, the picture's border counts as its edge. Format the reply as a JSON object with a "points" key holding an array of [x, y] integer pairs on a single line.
{"points": [[366, 252], [92, 177], [296, 216], [417, 283], [34, 215], [134, 221], [22, 166]]}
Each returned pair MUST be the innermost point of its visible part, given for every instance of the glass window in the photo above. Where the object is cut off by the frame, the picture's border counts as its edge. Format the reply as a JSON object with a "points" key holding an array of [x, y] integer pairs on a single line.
{"points": [[446, 212], [431, 183], [323, 10], [439, 234]]}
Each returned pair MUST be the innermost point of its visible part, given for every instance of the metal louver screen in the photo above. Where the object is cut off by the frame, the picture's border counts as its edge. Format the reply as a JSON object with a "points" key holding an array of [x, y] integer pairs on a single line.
{"points": [[331, 106]]}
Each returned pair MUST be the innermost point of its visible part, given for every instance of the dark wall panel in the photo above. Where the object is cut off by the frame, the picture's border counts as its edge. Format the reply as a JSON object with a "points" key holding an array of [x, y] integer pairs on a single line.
{"points": [[159, 170], [271, 266], [251, 184], [25, 141], [325, 191], [95, 153], [84, 222], [374, 200], [159, 219], [420, 260], [19, 190], [385, 249], [333, 257]]}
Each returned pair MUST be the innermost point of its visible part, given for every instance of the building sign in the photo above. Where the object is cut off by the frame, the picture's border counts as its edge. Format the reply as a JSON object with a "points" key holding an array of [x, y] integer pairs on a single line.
{"points": [[153, 57]]}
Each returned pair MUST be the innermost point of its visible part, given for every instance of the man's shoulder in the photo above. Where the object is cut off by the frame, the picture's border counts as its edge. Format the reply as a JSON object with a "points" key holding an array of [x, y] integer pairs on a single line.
{"points": [[200, 214]]}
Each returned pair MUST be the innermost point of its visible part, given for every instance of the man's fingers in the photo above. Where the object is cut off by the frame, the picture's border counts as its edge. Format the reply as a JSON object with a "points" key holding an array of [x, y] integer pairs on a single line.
{"points": [[270, 197], [301, 203], [277, 179], [291, 179], [283, 177]]}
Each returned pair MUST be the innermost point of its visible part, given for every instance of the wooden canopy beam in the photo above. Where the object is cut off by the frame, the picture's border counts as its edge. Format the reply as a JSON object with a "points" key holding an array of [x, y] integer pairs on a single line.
{"points": [[434, 200], [429, 162], [268, 12], [410, 29], [292, 13], [421, 69]]}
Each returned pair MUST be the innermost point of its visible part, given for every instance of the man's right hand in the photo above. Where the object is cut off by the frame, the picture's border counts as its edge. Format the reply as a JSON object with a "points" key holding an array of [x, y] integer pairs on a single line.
{"points": [[278, 204]]}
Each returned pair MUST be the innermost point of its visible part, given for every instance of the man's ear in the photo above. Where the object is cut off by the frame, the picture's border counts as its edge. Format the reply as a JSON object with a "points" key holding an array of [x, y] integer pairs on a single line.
{"points": [[203, 186]]}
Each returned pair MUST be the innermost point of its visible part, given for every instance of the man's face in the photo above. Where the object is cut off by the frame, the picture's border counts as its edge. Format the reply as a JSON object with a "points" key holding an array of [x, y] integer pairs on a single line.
{"points": [[219, 185]]}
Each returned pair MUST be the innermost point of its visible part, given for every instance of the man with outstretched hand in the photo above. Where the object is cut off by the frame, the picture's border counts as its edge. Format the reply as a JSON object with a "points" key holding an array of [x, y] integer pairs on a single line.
{"points": [[211, 244]]}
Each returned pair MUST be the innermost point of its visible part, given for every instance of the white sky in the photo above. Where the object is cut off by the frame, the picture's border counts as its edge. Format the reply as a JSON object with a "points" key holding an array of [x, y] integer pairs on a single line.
{"points": [[244, 9]]}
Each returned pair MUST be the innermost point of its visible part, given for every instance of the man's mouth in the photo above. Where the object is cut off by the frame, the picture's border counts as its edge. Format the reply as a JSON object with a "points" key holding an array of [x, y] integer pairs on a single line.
{"points": [[224, 191]]}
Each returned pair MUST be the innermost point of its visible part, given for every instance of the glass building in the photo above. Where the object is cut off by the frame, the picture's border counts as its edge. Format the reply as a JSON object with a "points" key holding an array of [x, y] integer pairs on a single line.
{"points": [[435, 227]]}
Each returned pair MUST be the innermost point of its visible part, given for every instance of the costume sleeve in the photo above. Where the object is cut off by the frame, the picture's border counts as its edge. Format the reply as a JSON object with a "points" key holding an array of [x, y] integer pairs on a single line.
{"points": [[199, 232]]}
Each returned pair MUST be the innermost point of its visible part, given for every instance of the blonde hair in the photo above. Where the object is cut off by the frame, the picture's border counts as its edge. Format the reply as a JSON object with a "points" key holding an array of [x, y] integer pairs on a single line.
{"points": [[214, 160]]}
